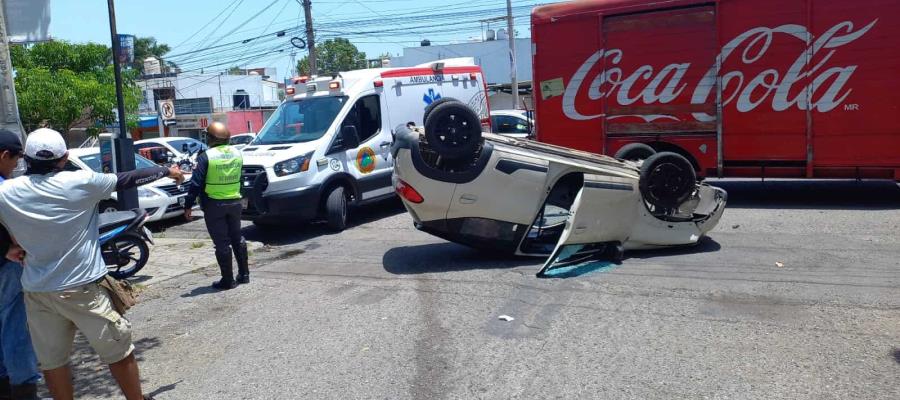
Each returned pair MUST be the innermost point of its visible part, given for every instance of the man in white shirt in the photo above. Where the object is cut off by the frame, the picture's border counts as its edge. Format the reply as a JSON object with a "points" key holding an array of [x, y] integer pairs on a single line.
{"points": [[53, 215]]}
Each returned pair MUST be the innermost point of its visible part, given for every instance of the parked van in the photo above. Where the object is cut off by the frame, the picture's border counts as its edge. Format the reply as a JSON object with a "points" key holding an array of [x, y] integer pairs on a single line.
{"points": [[327, 147]]}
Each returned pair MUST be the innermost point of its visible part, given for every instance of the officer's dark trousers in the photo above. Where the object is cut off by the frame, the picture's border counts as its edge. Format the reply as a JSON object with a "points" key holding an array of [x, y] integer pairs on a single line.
{"points": [[223, 221]]}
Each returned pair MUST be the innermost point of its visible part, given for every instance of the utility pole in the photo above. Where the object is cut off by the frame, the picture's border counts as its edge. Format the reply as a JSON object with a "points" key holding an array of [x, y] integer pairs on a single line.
{"points": [[123, 148], [8, 104], [310, 37], [514, 81]]}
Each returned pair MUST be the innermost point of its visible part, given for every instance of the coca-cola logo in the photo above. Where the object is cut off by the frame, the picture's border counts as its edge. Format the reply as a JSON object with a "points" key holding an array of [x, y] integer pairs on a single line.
{"points": [[825, 86]]}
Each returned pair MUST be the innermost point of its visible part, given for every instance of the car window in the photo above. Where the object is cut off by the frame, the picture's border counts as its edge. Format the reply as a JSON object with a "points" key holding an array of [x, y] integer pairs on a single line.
{"points": [[193, 145], [241, 139], [366, 117], [93, 162], [509, 124]]}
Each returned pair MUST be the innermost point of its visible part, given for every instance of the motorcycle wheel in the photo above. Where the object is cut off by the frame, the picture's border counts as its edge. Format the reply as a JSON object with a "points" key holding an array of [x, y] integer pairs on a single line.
{"points": [[125, 255]]}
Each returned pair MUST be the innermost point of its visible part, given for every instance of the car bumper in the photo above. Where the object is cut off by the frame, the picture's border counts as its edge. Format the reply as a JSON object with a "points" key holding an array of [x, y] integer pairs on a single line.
{"points": [[300, 204]]}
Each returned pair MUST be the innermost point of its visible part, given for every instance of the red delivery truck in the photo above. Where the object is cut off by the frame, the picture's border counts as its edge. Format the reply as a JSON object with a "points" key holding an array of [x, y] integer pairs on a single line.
{"points": [[772, 88]]}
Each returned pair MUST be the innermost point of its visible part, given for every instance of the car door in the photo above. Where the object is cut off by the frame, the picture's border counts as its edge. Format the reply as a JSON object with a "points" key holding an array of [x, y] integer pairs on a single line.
{"points": [[371, 163], [603, 215]]}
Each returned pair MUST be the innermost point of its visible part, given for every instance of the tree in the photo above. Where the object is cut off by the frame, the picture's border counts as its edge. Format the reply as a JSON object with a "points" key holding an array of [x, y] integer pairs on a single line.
{"points": [[333, 56], [61, 85], [145, 47]]}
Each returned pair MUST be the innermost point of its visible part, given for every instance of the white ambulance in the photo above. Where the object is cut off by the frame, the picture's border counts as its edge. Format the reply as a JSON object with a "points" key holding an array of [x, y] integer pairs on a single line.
{"points": [[327, 147]]}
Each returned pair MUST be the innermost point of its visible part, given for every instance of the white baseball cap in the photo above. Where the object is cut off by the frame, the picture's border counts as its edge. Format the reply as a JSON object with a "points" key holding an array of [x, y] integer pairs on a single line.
{"points": [[45, 144]]}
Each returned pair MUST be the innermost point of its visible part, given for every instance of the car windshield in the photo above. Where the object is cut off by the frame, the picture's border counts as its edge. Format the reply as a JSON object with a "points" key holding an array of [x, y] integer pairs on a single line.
{"points": [[300, 120], [241, 139], [193, 145], [93, 162]]}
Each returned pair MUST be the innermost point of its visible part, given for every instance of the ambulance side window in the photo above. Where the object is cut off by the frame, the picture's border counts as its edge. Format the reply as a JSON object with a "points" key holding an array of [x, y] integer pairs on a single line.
{"points": [[366, 116]]}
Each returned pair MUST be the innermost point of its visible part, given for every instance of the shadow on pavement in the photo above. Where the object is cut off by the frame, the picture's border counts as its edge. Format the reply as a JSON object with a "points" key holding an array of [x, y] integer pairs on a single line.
{"points": [[92, 377], [705, 245], [896, 354], [447, 257], [811, 194], [293, 232], [200, 291]]}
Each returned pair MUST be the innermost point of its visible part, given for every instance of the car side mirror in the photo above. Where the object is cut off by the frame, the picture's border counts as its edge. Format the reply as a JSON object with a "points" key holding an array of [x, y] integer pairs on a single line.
{"points": [[349, 137]]}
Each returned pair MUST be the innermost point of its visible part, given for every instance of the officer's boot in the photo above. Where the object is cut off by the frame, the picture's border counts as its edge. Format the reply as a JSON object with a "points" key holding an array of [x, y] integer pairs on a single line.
{"points": [[223, 256], [240, 253], [27, 391], [5, 388]]}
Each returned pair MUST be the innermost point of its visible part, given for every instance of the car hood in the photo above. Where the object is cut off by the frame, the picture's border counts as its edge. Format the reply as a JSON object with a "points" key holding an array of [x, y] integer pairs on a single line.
{"points": [[269, 155]]}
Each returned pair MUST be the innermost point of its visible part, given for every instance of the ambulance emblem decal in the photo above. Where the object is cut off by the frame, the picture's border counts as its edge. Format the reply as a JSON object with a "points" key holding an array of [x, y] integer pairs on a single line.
{"points": [[365, 160], [431, 97]]}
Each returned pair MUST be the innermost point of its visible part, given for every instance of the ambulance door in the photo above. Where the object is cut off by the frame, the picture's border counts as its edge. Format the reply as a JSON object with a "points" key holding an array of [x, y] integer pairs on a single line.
{"points": [[371, 163]]}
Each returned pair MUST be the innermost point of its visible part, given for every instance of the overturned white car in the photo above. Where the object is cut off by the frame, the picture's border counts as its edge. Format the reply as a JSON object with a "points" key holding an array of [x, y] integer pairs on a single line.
{"points": [[528, 198]]}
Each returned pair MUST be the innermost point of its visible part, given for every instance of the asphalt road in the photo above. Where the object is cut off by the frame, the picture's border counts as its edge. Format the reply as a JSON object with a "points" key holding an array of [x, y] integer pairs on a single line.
{"points": [[382, 311]]}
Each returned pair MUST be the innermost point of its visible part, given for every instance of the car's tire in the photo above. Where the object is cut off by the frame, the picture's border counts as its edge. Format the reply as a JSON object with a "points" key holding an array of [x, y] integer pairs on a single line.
{"points": [[667, 180], [108, 206], [336, 209], [434, 105], [635, 152], [453, 130]]}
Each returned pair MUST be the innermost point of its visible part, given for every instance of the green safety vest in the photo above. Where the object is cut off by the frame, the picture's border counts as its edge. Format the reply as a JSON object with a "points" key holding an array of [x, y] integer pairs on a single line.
{"points": [[223, 175]]}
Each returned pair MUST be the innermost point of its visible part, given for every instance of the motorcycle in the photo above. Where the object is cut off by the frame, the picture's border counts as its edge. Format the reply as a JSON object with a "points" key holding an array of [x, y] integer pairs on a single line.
{"points": [[123, 242]]}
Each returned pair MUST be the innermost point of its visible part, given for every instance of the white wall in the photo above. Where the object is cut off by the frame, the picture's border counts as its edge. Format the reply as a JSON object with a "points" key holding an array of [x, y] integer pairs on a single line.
{"points": [[220, 87], [492, 56]]}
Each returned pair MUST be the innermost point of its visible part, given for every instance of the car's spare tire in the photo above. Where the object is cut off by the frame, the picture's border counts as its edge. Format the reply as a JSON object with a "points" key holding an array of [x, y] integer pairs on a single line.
{"points": [[667, 180], [434, 105], [453, 130], [635, 152]]}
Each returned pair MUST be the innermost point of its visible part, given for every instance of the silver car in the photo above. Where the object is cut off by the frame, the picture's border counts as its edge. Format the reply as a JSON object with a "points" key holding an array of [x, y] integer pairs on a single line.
{"points": [[527, 198]]}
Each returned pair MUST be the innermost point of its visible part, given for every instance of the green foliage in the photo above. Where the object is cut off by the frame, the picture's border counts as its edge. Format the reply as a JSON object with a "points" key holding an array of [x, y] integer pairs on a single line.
{"points": [[60, 85], [333, 56]]}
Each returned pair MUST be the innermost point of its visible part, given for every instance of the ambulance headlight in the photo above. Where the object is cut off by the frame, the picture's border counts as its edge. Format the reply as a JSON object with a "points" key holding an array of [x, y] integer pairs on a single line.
{"points": [[293, 165]]}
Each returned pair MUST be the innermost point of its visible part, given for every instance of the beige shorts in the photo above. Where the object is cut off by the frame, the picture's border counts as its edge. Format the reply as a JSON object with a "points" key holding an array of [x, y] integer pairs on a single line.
{"points": [[54, 316]]}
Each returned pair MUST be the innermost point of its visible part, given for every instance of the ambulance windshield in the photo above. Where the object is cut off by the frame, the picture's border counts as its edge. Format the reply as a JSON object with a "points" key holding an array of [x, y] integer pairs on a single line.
{"points": [[300, 120]]}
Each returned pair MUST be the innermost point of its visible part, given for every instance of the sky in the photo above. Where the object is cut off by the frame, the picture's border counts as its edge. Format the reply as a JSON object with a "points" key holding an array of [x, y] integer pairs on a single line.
{"points": [[209, 35]]}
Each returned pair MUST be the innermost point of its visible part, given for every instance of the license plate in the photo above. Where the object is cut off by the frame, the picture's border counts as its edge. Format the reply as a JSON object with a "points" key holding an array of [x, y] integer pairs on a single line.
{"points": [[245, 203], [181, 201]]}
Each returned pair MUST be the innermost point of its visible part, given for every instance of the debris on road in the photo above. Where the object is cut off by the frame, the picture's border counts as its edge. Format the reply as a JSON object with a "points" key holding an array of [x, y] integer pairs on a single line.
{"points": [[506, 318], [779, 264], [735, 226]]}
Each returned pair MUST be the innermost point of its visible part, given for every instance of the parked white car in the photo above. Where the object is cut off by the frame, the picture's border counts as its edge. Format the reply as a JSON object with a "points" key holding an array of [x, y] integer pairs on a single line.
{"points": [[184, 150], [512, 123], [241, 140], [161, 199], [527, 198]]}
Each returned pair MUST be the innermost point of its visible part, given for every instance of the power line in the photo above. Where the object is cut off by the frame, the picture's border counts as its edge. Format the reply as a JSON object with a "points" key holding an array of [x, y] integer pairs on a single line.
{"points": [[207, 24]]}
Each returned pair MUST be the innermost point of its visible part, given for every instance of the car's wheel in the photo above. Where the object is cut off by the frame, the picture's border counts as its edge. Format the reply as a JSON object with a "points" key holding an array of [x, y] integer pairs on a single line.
{"points": [[336, 209], [667, 180], [635, 152], [453, 130], [434, 105], [109, 206]]}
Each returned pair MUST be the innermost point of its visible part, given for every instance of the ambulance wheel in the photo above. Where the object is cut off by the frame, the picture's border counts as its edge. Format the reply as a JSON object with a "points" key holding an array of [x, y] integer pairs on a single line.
{"points": [[453, 130], [336, 209], [635, 152], [667, 180], [434, 104]]}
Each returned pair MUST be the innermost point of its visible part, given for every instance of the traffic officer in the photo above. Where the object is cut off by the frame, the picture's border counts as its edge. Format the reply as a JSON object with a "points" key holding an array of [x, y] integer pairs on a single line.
{"points": [[216, 181]]}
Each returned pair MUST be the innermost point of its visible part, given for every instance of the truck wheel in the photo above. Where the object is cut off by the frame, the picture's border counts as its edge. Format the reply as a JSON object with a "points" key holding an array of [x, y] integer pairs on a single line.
{"points": [[336, 209], [667, 180], [635, 152], [434, 104], [453, 130]]}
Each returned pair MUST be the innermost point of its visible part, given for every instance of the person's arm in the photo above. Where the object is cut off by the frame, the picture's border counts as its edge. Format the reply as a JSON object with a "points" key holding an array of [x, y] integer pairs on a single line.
{"points": [[197, 183], [133, 179]]}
